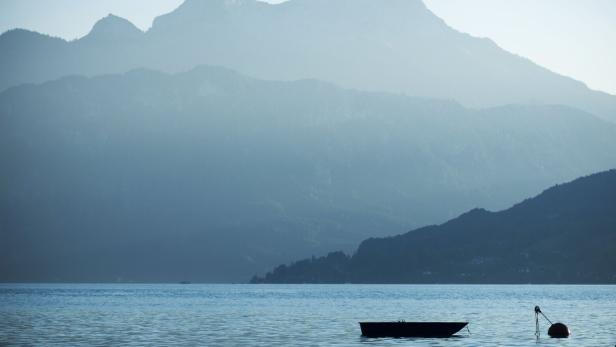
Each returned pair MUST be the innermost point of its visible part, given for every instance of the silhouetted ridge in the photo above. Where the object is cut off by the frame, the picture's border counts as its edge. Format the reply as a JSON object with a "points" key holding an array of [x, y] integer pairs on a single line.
{"points": [[567, 234]]}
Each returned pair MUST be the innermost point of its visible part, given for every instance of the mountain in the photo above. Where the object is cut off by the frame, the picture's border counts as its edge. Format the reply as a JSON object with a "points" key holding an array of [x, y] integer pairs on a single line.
{"points": [[210, 175], [567, 234], [381, 45], [113, 29]]}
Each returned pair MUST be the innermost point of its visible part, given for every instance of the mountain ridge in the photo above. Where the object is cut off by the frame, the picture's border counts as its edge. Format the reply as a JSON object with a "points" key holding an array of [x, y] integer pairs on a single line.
{"points": [[572, 225], [400, 48], [142, 164]]}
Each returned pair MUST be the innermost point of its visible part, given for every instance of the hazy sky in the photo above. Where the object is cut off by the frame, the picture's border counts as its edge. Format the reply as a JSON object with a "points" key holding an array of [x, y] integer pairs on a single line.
{"points": [[576, 38]]}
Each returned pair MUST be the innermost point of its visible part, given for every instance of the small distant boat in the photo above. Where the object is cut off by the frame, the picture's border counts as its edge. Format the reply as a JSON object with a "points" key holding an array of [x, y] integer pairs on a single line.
{"points": [[410, 329], [185, 282]]}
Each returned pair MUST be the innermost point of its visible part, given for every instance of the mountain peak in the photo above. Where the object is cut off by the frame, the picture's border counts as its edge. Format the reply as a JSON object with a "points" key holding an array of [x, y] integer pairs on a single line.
{"points": [[114, 28], [215, 3], [204, 7], [198, 10]]}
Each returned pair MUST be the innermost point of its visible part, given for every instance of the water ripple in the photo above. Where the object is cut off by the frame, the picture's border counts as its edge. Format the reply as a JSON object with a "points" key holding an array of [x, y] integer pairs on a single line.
{"points": [[294, 315]]}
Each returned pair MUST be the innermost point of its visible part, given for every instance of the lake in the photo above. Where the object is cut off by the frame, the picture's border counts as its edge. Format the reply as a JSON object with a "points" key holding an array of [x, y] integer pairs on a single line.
{"points": [[296, 315]]}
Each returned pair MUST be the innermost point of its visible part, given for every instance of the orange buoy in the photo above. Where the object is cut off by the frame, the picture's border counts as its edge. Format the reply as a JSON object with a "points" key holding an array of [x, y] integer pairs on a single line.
{"points": [[559, 330]]}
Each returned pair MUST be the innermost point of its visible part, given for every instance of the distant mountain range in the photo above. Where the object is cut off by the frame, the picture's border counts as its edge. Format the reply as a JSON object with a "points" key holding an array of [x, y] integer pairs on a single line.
{"points": [[201, 173], [213, 176], [567, 234], [380, 45]]}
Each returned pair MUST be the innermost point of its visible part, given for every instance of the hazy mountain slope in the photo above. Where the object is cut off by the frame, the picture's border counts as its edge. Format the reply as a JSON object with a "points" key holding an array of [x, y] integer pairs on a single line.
{"points": [[567, 234], [210, 175], [381, 45]]}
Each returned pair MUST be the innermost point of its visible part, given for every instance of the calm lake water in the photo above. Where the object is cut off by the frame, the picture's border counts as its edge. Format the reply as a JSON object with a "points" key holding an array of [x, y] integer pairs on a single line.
{"points": [[296, 315]]}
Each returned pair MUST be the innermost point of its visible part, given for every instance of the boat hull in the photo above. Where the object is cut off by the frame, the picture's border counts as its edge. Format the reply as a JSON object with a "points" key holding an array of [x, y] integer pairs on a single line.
{"points": [[410, 329]]}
